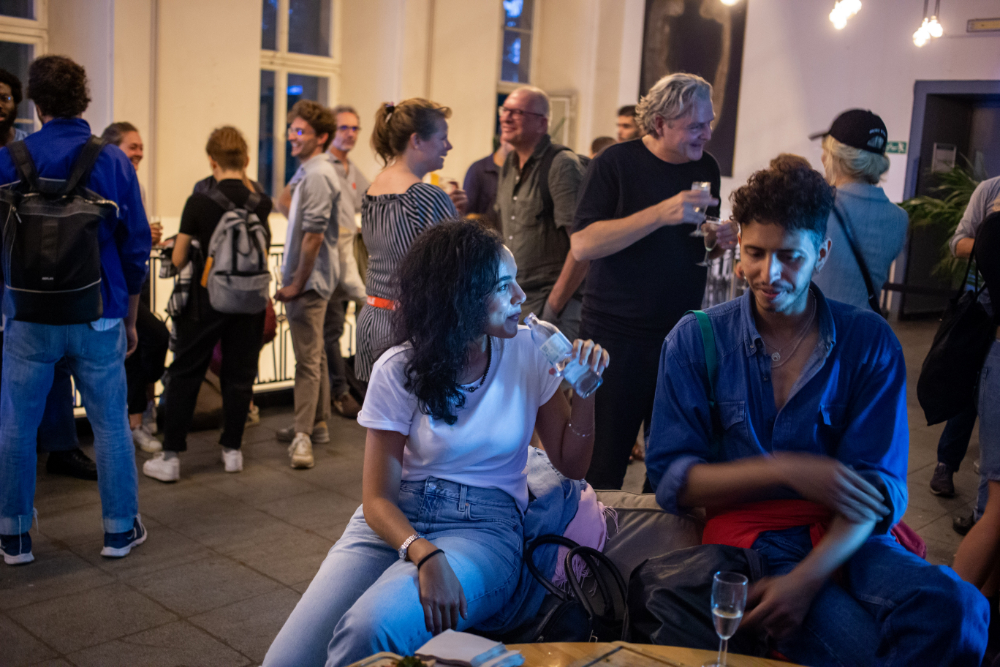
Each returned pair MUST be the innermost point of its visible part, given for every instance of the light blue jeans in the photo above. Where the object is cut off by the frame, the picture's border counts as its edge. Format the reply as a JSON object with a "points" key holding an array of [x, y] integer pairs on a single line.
{"points": [[97, 361], [364, 599]]}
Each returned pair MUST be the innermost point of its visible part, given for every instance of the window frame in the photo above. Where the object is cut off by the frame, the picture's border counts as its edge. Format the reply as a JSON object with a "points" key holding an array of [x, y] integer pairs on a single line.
{"points": [[29, 31], [283, 63], [511, 86]]}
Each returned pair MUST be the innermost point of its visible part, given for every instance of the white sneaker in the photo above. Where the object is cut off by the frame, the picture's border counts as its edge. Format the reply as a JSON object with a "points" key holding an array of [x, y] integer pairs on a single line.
{"points": [[163, 469], [149, 417], [301, 451], [145, 441], [233, 460]]}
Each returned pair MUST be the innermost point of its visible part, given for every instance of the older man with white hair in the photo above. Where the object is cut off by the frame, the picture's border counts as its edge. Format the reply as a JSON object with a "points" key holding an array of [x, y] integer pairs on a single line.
{"points": [[634, 223], [536, 200]]}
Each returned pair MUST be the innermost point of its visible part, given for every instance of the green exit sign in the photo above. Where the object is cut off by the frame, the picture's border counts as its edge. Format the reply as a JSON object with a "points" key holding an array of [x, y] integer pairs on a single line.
{"points": [[896, 147]]}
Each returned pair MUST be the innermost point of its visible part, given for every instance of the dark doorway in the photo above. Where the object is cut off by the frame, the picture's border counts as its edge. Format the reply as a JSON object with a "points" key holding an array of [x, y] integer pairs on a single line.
{"points": [[963, 116]]}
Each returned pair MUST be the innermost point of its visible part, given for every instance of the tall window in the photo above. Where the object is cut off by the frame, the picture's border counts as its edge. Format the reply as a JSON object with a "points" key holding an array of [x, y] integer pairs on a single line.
{"points": [[515, 58], [299, 61], [23, 38]]}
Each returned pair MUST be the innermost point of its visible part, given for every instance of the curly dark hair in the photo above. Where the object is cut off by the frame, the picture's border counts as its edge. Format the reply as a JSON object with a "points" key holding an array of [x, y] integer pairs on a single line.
{"points": [[58, 86], [14, 83], [443, 283], [320, 119], [788, 193]]}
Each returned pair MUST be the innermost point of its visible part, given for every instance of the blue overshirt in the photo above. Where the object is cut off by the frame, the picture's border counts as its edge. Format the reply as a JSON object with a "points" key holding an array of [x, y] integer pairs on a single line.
{"points": [[125, 242], [848, 404]]}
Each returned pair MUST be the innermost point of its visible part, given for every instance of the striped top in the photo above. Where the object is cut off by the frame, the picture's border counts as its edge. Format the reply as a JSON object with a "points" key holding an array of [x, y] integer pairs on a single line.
{"points": [[389, 225]]}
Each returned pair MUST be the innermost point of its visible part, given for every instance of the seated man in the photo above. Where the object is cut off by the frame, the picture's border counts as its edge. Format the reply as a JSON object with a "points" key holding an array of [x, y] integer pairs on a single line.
{"points": [[803, 455]]}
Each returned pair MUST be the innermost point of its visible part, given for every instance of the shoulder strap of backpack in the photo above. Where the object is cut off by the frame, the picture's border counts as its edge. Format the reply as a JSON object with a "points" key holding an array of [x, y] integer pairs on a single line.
{"points": [[84, 164], [849, 235], [544, 167], [711, 356], [219, 198], [253, 201], [24, 164]]}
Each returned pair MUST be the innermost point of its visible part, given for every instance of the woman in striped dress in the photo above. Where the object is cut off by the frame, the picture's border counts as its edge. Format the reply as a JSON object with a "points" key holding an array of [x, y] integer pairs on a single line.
{"points": [[412, 139]]}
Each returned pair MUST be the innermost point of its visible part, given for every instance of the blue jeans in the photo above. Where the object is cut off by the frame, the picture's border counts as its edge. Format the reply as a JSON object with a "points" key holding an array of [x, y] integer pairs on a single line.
{"points": [[364, 599], [889, 607], [989, 425], [96, 359], [955, 437]]}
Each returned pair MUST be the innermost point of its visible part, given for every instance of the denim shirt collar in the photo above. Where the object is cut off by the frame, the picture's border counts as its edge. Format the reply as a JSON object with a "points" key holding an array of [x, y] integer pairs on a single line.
{"points": [[753, 343]]}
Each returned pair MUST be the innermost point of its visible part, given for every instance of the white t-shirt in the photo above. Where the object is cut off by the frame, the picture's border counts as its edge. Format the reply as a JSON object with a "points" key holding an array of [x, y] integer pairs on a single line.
{"points": [[488, 446]]}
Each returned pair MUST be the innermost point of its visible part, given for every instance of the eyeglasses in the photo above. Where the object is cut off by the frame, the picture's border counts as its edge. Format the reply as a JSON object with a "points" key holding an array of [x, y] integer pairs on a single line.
{"points": [[518, 113], [6, 98], [299, 132], [348, 128]]}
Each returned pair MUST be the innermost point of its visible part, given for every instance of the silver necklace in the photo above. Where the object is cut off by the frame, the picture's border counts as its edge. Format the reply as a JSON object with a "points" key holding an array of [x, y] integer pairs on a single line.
{"points": [[776, 357], [489, 359]]}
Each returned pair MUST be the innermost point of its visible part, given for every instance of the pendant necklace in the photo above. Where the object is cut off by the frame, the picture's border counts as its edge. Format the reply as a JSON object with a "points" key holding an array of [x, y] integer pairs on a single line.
{"points": [[776, 356], [489, 360]]}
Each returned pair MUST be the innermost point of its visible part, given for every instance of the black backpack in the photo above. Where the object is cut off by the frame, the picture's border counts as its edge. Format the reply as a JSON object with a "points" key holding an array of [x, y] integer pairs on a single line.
{"points": [[51, 251]]}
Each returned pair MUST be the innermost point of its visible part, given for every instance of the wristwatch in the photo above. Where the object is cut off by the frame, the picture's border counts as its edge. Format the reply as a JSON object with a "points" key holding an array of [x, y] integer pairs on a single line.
{"points": [[406, 544]]}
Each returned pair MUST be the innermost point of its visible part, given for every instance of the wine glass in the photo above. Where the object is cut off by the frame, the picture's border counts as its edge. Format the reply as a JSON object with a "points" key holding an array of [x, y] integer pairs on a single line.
{"points": [[729, 598], [711, 224], [700, 186]]}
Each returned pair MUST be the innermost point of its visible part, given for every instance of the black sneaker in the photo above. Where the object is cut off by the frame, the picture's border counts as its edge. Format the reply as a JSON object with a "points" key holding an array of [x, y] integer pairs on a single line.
{"points": [[16, 549], [118, 545], [941, 484], [963, 524], [73, 463]]}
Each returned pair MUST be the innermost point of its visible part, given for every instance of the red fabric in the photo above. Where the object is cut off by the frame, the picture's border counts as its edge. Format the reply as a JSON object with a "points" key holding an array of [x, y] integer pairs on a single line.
{"points": [[909, 539], [741, 526]]}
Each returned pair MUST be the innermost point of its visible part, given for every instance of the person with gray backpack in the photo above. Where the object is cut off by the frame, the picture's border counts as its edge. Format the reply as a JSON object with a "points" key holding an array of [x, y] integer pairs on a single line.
{"points": [[227, 302]]}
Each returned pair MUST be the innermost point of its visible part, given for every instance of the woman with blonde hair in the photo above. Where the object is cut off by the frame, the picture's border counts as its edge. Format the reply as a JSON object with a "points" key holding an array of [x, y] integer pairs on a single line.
{"points": [[863, 221], [411, 139], [199, 327]]}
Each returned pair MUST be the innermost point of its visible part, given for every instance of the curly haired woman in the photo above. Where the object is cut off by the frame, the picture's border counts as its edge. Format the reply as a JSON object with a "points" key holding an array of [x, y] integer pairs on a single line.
{"points": [[450, 411]]}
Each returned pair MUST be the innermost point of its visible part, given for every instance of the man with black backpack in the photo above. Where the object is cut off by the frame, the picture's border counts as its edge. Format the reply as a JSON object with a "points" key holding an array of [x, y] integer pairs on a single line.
{"points": [[72, 272], [536, 200]]}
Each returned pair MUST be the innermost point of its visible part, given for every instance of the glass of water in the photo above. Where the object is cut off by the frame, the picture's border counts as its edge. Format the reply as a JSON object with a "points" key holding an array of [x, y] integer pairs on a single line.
{"points": [[729, 598], [711, 224]]}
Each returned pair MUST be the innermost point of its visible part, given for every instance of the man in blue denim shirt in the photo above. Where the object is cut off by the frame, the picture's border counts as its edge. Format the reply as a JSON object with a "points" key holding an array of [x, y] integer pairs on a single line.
{"points": [[95, 351], [810, 415]]}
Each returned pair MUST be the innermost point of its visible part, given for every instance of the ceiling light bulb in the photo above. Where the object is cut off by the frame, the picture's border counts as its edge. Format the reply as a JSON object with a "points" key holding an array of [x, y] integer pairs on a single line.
{"points": [[729, 3], [934, 28], [843, 10], [921, 36]]}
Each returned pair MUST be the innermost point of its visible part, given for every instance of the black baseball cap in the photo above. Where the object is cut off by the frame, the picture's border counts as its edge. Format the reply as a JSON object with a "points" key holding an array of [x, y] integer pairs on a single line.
{"points": [[858, 128]]}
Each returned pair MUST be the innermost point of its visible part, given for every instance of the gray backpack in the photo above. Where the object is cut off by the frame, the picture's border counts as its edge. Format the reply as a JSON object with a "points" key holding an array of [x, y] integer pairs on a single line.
{"points": [[238, 278]]}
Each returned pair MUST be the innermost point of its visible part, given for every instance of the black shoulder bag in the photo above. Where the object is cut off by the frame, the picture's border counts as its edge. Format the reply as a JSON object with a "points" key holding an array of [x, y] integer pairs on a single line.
{"points": [[950, 373], [873, 296]]}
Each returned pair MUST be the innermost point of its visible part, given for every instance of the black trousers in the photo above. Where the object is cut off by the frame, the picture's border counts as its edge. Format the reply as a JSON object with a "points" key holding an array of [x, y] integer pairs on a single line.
{"points": [[621, 404], [196, 338], [145, 366]]}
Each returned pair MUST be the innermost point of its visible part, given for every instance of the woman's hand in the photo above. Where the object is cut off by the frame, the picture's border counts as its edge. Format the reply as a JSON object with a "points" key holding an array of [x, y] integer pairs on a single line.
{"points": [[441, 595], [832, 484], [589, 353]]}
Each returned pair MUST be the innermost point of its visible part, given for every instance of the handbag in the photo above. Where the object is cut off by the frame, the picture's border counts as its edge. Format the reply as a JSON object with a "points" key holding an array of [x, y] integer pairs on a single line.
{"points": [[572, 616], [950, 373], [873, 296]]}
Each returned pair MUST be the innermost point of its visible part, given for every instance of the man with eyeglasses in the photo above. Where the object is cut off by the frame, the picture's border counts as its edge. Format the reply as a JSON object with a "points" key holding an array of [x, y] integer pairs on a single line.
{"points": [[536, 199], [10, 98], [350, 286], [310, 272], [634, 222]]}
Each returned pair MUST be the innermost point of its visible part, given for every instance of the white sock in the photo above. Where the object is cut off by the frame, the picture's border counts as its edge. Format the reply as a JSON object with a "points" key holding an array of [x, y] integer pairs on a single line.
{"points": [[228, 450]]}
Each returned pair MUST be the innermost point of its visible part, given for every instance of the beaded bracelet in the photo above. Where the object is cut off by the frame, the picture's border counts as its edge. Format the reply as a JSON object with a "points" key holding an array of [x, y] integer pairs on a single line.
{"points": [[581, 435], [428, 557]]}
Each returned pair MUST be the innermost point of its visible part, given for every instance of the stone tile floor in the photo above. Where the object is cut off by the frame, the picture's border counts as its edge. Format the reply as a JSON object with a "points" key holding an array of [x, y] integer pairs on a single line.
{"points": [[229, 555]]}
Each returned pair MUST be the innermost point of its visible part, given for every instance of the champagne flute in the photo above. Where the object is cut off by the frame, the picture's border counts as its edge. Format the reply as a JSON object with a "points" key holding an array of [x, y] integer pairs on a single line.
{"points": [[729, 598], [700, 186], [712, 224]]}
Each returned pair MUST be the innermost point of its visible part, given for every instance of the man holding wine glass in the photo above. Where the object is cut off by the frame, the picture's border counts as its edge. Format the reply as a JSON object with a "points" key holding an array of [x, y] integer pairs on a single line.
{"points": [[634, 220], [797, 446]]}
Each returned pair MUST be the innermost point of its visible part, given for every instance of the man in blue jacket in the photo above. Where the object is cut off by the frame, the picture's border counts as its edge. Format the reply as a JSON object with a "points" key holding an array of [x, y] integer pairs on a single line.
{"points": [[96, 350], [802, 454]]}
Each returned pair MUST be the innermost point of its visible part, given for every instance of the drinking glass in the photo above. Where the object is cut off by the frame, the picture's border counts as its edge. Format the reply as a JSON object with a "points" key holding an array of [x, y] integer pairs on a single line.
{"points": [[729, 598], [712, 224], [701, 186]]}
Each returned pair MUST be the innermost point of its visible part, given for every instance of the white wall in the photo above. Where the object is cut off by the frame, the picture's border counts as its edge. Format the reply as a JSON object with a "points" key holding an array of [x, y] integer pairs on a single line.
{"points": [[207, 75], [799, 73], [133, 79], [83, 31]]}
